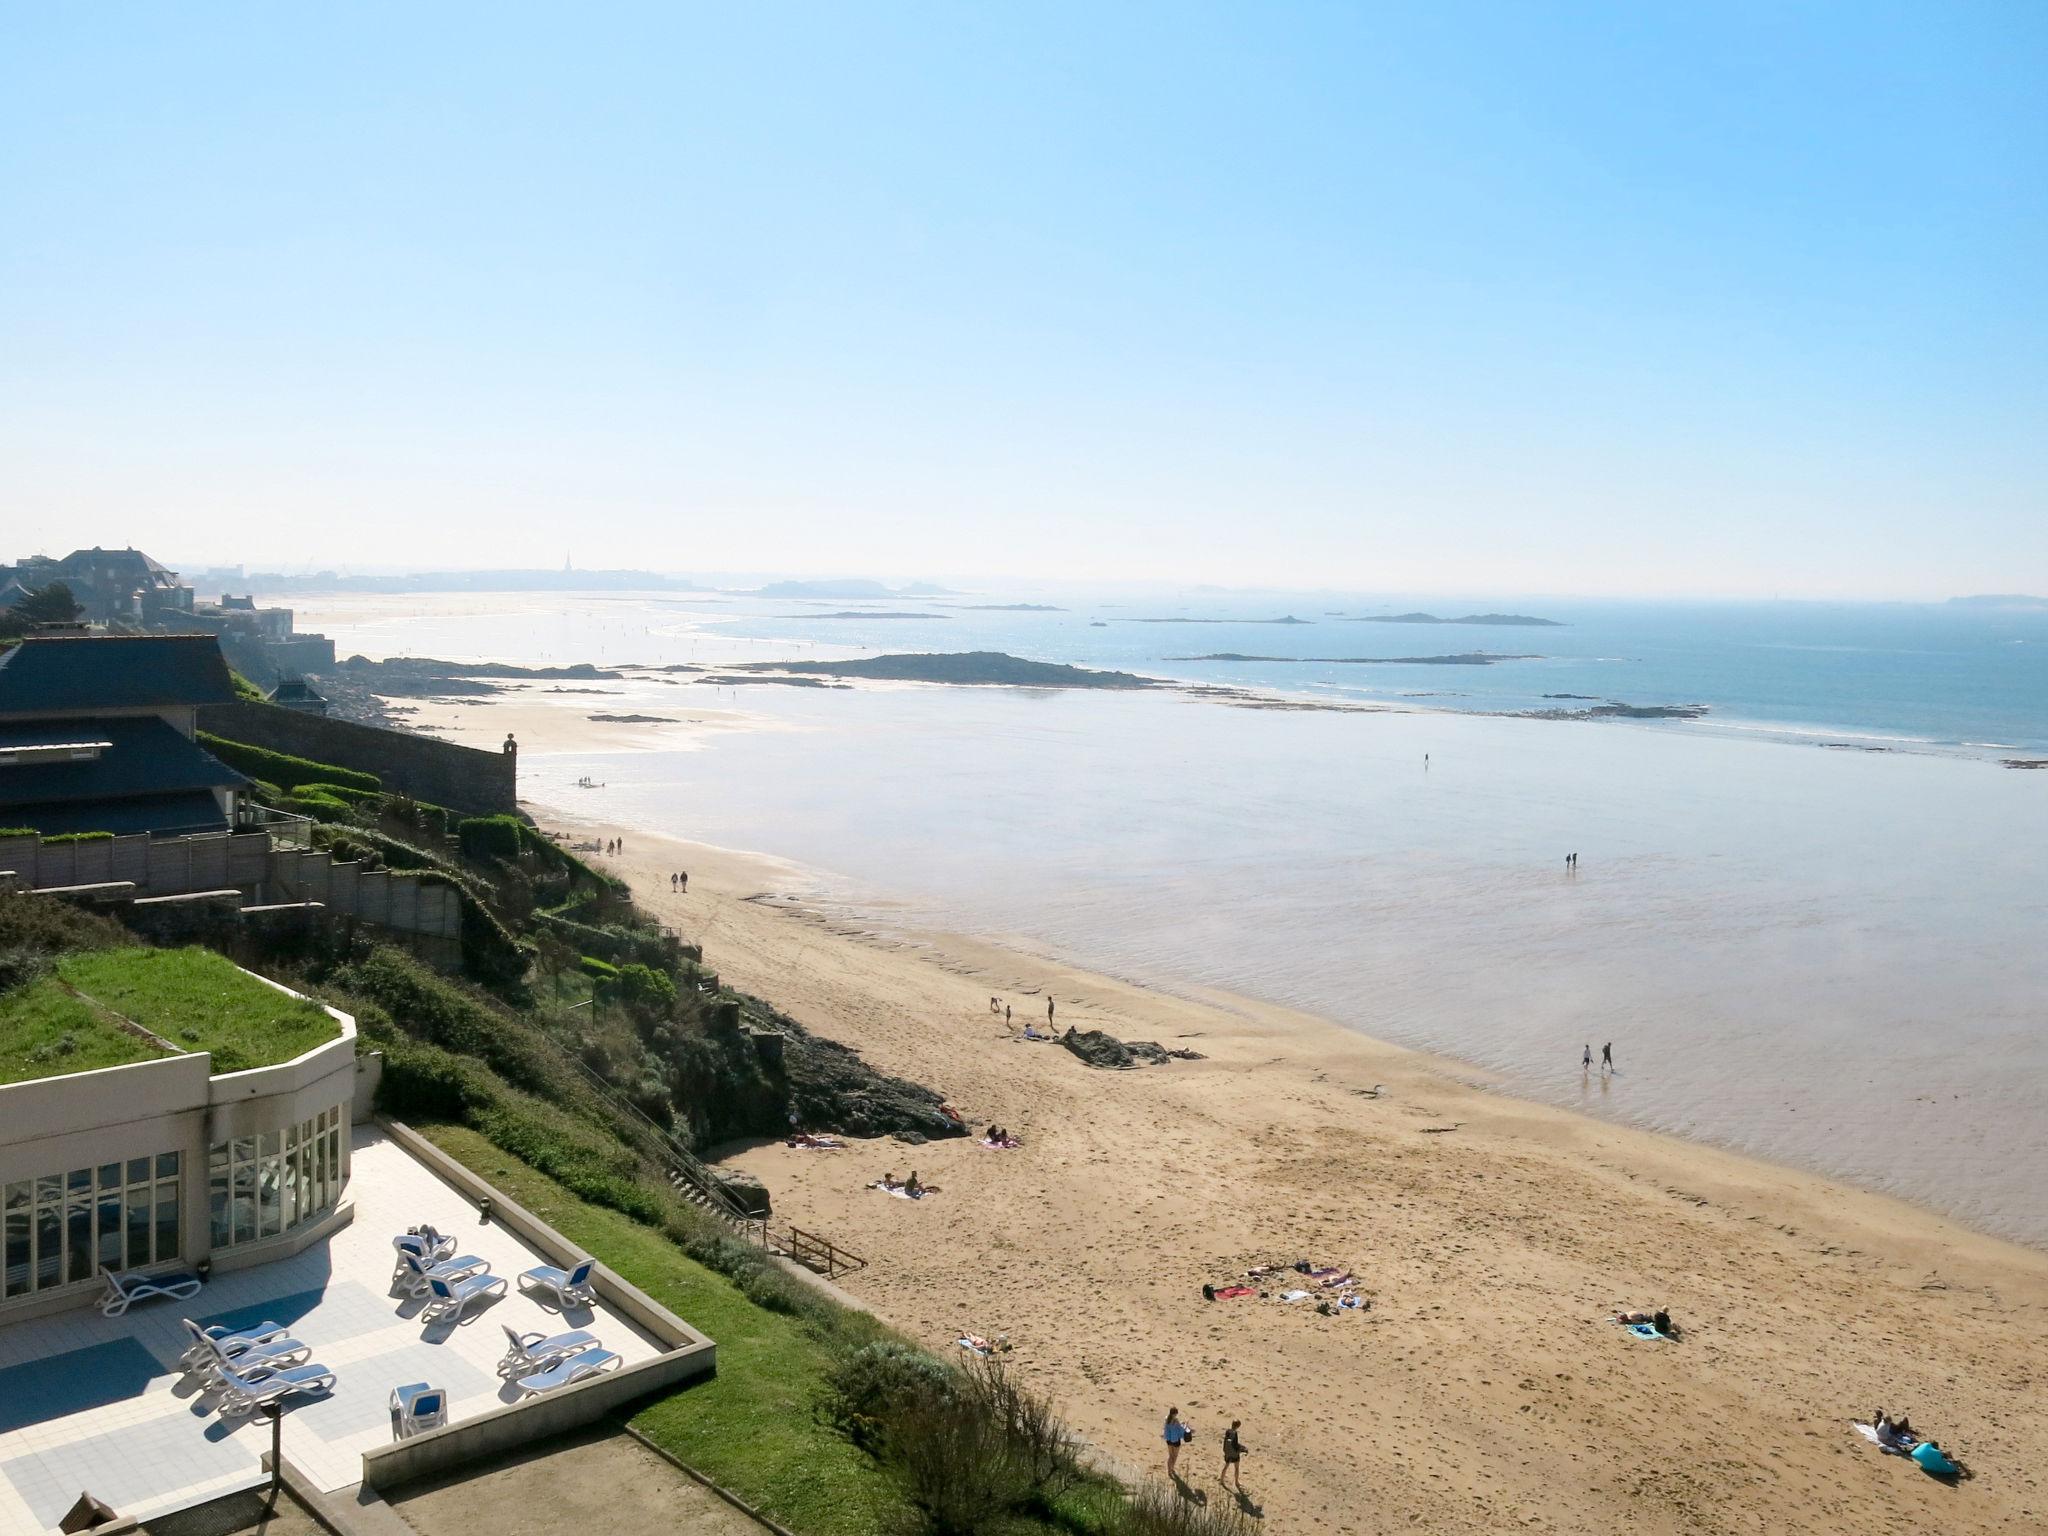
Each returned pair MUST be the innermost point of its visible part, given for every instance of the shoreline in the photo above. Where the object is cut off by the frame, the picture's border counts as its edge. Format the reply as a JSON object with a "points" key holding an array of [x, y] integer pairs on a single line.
{"points": [[1493, 1249]]}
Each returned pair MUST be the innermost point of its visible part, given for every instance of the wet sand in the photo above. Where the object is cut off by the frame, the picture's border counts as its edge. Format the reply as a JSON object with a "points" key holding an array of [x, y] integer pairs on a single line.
{"points": [[1485, 1389]]}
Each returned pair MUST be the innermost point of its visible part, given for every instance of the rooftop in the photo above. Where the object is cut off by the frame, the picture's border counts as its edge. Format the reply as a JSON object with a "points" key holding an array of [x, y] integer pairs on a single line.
{"points": [[88, 1402], [80, 674], [194, 999], [137, 755]]}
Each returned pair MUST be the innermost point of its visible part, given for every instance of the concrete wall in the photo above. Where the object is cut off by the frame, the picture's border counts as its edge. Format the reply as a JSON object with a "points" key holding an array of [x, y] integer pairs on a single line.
{"points": [[389, 898], [481, 783], [156, 866], [536, 1418]]}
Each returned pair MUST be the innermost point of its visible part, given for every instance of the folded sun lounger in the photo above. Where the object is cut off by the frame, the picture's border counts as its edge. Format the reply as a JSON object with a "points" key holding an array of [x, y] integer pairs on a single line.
{"points": [[127, 1288], [573, 1368]]}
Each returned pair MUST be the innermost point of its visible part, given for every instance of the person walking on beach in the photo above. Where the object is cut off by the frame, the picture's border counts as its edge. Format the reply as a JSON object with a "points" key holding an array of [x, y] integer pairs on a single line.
{"points": [[1586, 1061], [1048, 1013], [1176, 1435], [684, 876], [1233, 1455], [1607, 1057], [1006, 1015]]}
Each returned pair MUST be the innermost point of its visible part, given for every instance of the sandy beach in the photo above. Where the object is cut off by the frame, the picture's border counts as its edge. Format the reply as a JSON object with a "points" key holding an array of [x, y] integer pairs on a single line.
{"points": [[1485, 1389]]}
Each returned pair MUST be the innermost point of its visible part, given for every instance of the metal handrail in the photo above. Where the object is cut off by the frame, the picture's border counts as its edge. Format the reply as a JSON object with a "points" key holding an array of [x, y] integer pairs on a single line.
{"points": [[686, 1163]]}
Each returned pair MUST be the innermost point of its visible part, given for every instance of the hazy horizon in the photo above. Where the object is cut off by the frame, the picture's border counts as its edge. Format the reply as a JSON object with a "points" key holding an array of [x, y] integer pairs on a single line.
{"points": [[1736, 303]]}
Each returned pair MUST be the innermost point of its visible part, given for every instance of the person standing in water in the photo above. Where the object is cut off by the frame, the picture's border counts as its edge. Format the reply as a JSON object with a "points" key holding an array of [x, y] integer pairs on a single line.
{"points": [[1586, 1061], [1607, 1057]]}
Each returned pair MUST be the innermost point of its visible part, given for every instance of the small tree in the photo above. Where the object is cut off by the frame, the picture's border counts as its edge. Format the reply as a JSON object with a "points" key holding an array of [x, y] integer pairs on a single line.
{"points": [[53, 604]]}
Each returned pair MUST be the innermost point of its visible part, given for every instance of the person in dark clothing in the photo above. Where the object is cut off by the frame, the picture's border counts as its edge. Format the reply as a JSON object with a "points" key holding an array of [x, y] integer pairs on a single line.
{"points": [[1607, 1057], [1048, 1013], [1233, 1456]]}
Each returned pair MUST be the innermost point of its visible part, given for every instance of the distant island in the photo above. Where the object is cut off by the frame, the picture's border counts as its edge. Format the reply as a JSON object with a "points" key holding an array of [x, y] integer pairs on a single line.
{"points": [[861, 613], [1462, 659], [2016, 601], [985, 668], [1469, 618], [282, 583], [1284, 619], [855, 588], [1007, 607]]}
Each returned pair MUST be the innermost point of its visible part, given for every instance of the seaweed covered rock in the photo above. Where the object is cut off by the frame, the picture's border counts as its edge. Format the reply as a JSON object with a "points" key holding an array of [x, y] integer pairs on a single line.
{"points": [[1098, 1049]]}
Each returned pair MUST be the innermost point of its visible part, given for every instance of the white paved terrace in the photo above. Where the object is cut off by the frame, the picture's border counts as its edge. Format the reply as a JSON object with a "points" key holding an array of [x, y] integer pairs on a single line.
{"points": [[95, 1403]]}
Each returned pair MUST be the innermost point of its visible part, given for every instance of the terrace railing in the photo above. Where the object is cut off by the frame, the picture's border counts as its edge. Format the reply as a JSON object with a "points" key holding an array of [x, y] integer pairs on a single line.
{"points": [[287, 829]]}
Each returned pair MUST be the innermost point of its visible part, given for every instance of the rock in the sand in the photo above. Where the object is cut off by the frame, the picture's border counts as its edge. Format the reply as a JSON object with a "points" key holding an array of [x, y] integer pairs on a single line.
{"points": [[1098, 1049], [748, 1192], [1150, 1052]]}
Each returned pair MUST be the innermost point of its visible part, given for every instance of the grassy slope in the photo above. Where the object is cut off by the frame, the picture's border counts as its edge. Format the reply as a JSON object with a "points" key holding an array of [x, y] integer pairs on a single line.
{"points": [[38, 1016], [752, 1428], [197, 999]]}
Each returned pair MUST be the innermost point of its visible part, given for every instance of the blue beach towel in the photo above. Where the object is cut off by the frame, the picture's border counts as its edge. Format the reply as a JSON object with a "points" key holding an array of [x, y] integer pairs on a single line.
{"points": [[1644, 1331]]}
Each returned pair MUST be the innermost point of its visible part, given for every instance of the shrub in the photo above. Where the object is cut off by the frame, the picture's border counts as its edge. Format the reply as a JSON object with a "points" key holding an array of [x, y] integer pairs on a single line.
{"points": [[869, 1391], [281, 768], [650, 991], [596, 969], [342, 792], [497, 837], [19, 967], [1153, 1510], [79, 837], [44, 925]]}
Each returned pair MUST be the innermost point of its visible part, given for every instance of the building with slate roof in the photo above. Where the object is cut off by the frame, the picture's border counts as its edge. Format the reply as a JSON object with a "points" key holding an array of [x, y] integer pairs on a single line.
{"points": [[96, 735]]}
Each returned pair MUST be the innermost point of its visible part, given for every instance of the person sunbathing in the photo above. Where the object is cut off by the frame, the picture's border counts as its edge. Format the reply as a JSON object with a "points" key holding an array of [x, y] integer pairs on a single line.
{"points": [[889, 1181], [1632, 1317]]}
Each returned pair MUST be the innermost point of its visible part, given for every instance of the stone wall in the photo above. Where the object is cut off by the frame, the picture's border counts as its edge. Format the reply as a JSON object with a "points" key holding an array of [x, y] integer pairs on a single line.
{"points": [[480, 783], [156, 866]]}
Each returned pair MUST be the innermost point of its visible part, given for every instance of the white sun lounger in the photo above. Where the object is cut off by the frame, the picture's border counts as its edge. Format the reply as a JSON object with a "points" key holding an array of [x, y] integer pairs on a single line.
{"points": [[571, 1286], [241, 1394], [527, 1353], [255, 1360], [452, 1297], [572, 1368], [414, 1272], [125, 1289], [206, 1342]]}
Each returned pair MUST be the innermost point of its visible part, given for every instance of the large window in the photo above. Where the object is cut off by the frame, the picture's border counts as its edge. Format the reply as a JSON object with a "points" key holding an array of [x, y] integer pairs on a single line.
{"points": [[260, 1186], [59, 1229]]}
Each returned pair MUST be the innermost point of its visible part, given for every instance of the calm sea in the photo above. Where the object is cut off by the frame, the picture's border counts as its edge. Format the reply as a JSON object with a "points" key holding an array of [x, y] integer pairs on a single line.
{"points": [[1802, 948]]}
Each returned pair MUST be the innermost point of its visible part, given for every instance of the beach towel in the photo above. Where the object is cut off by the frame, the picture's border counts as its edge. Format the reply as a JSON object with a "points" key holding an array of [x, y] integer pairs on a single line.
{"points": [[1352, 1301], [1294, 1295], [816, 1143], [1009, 1145], [1322, 1273], [1232, 1292], [903, 1194], [975, 1344], [1890, 1445], [1337, 1279], [1644, 1331]]}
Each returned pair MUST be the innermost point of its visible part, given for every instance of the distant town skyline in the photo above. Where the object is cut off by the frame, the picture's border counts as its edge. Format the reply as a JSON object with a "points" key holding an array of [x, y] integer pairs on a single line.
{"points": [[1474, 298]]}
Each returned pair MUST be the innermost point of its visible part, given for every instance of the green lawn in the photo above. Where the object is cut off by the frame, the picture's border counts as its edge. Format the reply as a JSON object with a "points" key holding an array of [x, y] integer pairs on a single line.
{"points": [[198, 1001], [46, 1032], [752, 1427]]}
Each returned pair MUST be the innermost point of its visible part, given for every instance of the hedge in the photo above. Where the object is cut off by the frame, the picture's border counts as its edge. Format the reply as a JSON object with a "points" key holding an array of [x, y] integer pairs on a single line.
{"points": [[281, 768], [496, 837]]}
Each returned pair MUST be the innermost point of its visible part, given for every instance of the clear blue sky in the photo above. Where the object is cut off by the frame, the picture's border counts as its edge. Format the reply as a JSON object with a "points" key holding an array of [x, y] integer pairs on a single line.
{"points": [[1480, 297]]}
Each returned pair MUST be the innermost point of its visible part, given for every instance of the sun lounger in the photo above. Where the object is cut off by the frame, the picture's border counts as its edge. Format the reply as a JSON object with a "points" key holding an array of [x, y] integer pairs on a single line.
{"points": [[124, 1289], [527, 1353], [451, 1298], [207, 1342], [571, 1368], [414, 1272], [243, 1394], [425, 1243], [255, 1360], [419, 1407], [571, 1287]]}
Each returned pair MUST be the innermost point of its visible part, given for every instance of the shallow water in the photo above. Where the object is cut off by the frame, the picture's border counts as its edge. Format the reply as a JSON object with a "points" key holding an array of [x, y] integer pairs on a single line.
{"points": [[1827, 958]]}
